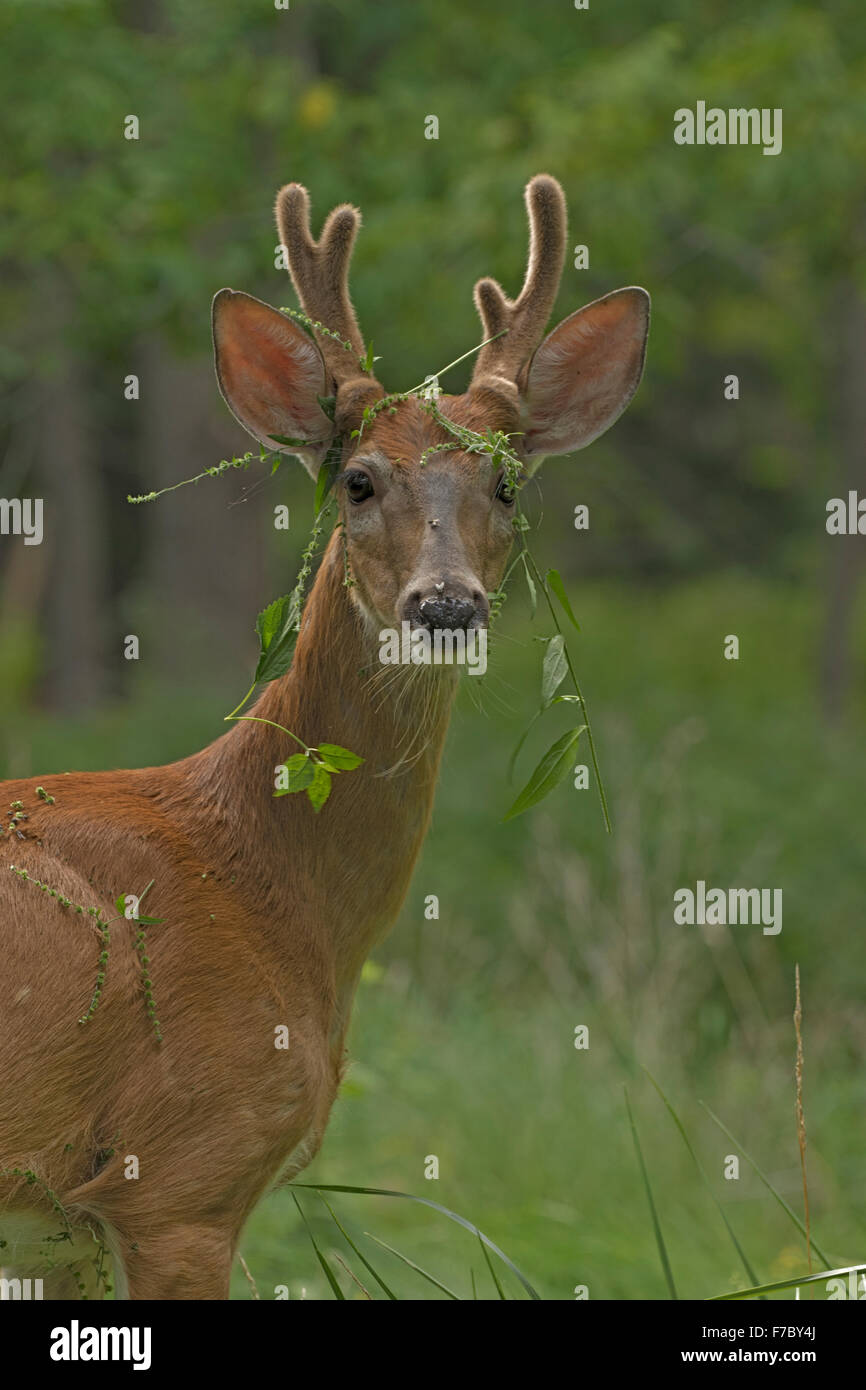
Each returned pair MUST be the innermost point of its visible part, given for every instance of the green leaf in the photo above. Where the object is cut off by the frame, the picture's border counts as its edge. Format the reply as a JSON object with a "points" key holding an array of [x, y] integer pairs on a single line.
{"points": [[328, 404], [120, 904], [277, 637], [553, 769], [300, 770], [340, 759], [369, 359], [324, 482], [320, 787], [554, 579], [277, 462], [530, 584], [294, 443], [554, 670]]}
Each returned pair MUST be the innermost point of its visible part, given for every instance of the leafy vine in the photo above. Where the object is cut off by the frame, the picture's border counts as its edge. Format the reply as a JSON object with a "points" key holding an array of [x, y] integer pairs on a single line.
{"points": [[103, 924]]}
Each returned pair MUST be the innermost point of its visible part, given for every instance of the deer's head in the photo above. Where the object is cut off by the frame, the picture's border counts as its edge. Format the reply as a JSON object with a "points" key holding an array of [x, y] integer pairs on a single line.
{"points": [[427, 529]]}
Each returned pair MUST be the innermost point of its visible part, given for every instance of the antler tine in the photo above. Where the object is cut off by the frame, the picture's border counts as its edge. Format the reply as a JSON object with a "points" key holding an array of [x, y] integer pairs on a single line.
{"points": [[320, 274], [524, 318]]}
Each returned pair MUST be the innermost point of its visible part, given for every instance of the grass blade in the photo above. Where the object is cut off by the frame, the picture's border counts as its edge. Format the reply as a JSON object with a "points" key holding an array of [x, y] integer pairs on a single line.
{"points": [[248, 1276], [364, 1261], [353, 1276], [766, 1181], [660, 1241], [788, 1284], [731, 1232], [329, 1273], [499, 1288], [801, 1118], [431, 1278], [425, 1202]]}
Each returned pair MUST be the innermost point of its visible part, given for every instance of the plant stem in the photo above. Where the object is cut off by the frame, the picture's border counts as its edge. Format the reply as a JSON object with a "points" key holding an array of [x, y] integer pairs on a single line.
{"points": [[457, 360], [543, 585], [253, 719], [243, 702], [142, 896]]}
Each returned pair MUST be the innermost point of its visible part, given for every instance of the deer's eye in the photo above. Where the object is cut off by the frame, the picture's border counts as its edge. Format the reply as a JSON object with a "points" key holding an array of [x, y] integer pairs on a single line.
{"points": [[505, 492], [358, 487]]}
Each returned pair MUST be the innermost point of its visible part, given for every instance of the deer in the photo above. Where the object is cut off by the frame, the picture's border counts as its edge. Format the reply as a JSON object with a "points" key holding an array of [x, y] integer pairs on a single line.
{"points": [[151, 1148]]}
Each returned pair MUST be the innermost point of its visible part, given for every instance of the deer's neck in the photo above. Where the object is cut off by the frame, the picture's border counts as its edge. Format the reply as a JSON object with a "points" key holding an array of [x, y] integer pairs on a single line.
{"points": [[333, 879]]}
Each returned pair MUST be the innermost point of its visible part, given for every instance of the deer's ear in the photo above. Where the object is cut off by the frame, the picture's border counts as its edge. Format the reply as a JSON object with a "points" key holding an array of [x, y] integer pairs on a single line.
{"points": [[585, 372], [271, 375]]}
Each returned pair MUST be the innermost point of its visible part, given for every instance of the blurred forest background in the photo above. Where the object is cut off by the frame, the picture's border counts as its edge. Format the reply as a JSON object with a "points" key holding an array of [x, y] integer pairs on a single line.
{"points": [[707, 517]]}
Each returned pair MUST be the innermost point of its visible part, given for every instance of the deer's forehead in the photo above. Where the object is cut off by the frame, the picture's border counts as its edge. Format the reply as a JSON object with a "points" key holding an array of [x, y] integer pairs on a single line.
{"points": [[404, 444]]}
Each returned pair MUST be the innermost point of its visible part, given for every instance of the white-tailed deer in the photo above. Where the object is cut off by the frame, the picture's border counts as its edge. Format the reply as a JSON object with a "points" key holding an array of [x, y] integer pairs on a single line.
{"points": [[157, 1150]]}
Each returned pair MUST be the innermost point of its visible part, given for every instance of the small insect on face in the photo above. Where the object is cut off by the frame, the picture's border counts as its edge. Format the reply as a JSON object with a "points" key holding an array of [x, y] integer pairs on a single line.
{"points": [[426, 514]]}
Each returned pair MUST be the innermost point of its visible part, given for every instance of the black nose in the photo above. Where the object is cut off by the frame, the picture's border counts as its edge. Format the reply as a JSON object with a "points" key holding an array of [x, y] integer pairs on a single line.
{"points": [[450, 613]]}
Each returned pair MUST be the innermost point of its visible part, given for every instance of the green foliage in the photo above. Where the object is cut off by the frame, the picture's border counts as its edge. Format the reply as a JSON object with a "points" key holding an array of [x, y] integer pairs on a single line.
{"points": [[339, 759], [300, 772], [554, 669], [553, 769], [277, 635], [554, 580]]}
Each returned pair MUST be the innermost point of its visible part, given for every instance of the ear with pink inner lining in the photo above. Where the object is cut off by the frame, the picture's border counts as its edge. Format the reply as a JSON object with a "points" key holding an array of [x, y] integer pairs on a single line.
{"points": [[271, 375], [584, 374]]}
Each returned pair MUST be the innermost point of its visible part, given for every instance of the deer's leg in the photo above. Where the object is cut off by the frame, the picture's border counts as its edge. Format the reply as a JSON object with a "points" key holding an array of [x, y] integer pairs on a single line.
{"points": [[189, 1261]]}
